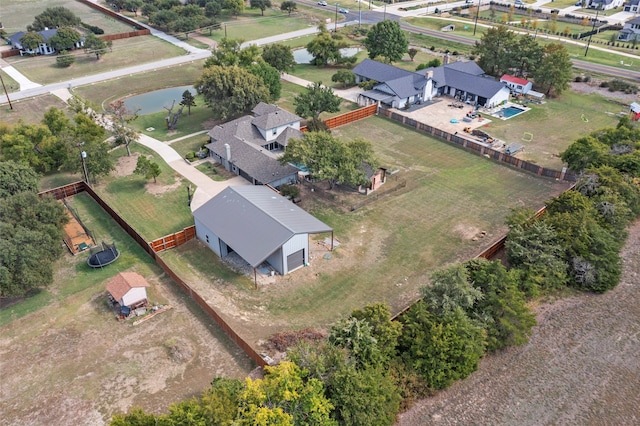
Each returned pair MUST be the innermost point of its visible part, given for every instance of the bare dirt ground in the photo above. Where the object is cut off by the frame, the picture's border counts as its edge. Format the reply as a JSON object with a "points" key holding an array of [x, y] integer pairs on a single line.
{"points": [[72, 362], [580, 368], [594, 87]]}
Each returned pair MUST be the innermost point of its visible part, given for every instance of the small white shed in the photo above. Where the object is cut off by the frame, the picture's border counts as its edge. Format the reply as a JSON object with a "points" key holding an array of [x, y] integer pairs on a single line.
{"points": [[128, 289], [516, 84]]}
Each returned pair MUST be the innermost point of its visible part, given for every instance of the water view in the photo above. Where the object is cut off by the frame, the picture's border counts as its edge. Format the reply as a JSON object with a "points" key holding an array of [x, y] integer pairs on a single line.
{"points": [[155, 101], [302, 56]]}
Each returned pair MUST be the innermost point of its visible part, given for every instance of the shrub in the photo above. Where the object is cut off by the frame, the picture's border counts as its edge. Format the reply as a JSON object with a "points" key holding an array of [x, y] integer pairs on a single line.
{"points": [[93, 28], [291, 191], [190, 155], [65, 59]]}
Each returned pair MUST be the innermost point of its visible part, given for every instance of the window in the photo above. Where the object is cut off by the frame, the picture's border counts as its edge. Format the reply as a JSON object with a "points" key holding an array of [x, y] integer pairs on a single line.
{"points": [[207, 237], [274, 132]]}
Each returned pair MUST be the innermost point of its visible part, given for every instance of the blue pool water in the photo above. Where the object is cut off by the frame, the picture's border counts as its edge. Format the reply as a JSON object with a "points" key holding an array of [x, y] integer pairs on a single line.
{"points": [[154, 101], [511, 111], [302, 56]]}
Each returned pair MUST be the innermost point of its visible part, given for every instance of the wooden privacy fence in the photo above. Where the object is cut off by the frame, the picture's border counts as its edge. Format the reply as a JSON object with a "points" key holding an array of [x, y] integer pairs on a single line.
{"points": [[480, 149], [173, 240], [78, 187], [125, 35], [111, 13], [348, 117]]}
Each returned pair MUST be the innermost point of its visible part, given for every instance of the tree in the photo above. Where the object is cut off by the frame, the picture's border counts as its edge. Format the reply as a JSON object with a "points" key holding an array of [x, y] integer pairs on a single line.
{"points": [[442, 349], [30, 235], [261, 4], [147, 168], [316, 100], [269, 76], [188, 100], [133, 6], [230, 91], [173, 117], [554, 71], [346, 77], [212, 9], [284, 397], [330, 159], [385, 331], [54, 17], [230, 52], [364, 397], [357, 338], [507, 320], [279, 56], [496, 50], [89, 137], [95, 45], [527, 55], [17, 177], [450, 291], [121, 117], [386, 39], [412, 52], [65, 59], [64, 39], [325, 47], [235, 7], [288, 6], [31, 40], [32, 144]]}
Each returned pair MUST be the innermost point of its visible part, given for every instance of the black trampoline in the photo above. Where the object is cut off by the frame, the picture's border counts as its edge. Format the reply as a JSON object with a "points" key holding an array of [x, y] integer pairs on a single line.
{"points": [[103, 255]]}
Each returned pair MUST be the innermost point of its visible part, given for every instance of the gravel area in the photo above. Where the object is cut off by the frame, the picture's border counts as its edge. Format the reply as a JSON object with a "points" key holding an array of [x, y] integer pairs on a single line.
{"points": [[581, 366]]}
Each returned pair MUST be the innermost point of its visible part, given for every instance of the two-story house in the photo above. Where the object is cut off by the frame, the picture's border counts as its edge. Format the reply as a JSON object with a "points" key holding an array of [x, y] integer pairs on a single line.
{"points": [[630, 31]]}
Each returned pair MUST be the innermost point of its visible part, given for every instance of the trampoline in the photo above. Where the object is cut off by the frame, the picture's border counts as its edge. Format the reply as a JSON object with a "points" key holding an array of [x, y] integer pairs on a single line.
{"points": [[103, 255]]}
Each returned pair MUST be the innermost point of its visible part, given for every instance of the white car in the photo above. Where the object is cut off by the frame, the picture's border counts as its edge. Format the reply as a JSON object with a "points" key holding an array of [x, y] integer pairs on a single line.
{"points": [[322, 3], [345, 11]]}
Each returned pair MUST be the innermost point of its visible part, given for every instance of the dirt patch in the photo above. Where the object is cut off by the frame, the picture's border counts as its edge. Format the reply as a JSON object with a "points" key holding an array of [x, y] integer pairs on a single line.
{"points": [[155, 188], [593, 86], [580, 367], [126, 165]]}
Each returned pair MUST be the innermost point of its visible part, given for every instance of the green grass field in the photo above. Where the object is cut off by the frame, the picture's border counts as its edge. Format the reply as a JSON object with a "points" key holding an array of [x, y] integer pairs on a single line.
{"points": [[126, 52]]}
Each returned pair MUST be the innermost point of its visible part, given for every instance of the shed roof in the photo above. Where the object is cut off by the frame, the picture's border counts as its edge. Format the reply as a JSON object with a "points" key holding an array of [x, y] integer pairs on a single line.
{"points": [[123, 282], [635, 107], [514, 79], [255, 221]]}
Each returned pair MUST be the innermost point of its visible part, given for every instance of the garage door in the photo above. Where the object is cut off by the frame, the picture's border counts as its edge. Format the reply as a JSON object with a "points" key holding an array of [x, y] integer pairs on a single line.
{"points": [[295, 260]]}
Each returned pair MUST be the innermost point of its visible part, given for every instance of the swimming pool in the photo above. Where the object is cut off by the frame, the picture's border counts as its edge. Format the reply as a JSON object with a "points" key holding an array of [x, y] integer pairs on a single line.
{"points": [[511, 111]]}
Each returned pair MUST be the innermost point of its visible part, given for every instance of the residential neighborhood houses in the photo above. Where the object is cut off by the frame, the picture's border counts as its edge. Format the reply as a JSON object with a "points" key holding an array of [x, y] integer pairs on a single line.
{"points": [[259, 232], [44, 48]]}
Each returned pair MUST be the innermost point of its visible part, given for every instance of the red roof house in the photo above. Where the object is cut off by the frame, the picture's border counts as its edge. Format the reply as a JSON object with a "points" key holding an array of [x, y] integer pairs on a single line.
{"points": [[516, 84], [128, 289]]}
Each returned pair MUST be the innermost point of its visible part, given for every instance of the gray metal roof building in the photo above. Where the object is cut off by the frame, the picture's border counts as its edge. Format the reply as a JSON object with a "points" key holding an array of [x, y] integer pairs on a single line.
{"points": [[259, 225]]}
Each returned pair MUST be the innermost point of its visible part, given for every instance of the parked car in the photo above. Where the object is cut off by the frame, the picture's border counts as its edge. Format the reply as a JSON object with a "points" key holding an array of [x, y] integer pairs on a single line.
{"points": [[518, 2], [345, 11], [579, 3], [322, 3]]}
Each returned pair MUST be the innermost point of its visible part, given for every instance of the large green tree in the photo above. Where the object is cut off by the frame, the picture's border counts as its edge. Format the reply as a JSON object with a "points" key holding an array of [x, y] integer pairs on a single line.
{"points": [[442, 349], [496, 50], [554, 71], [325, 47], [386, 39], [31, 40], [269, 76], [316, 100], [30, 241], [16, 177], [279, 56], [288, 6], [330, 159], [33, 144], [94, 45], [261, 4], [231, 91], [235, 7], [65, 39], [54, 17], [385, 331]]}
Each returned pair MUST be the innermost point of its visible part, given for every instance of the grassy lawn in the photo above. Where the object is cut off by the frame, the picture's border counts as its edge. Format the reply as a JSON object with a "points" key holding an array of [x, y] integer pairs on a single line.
{"points": [[153, 209], [187, 124], [108, 91], [30, 110], [126, 52], [192, 143], [9, 83], [16, 15], [256, 27], [214, 171], [78, 275], [556, 124]]}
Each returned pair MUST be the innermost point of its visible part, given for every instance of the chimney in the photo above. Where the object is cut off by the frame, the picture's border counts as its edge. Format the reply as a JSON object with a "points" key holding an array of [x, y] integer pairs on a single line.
{"points": [[428, 74], [228, 149], [445, 60]]}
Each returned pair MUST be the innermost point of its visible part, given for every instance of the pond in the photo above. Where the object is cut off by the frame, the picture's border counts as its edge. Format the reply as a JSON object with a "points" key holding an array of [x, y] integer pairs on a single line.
{"points": [[302, 56], [150, 102]]}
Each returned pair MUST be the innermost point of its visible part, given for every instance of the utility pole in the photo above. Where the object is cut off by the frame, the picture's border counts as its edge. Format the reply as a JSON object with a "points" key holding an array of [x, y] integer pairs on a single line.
{"points": [[5, 92], [83, 156], [335, 28], [359, 14], [384, 17], [475, 25], [592, 30]]}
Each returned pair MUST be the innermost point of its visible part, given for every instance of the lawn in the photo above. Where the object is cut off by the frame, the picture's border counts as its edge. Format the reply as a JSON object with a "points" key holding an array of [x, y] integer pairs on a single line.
{"points": [[152, 209], [190, 144], [556, 124], [30, 110], [17, 14], [389, 248], [125, 53], [9, 83]]}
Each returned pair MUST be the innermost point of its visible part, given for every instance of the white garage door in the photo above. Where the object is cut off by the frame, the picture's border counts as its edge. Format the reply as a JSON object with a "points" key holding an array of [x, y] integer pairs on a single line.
{"points": [[295, 260]]}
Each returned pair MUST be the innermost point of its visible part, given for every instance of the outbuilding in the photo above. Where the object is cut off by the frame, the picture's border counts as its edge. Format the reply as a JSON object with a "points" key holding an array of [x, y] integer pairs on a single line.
{"points": [[520, 86], [259, 225], [128, 289]]}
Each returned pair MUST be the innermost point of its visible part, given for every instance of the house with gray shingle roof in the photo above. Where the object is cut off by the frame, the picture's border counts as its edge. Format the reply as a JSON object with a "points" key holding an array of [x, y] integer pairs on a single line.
{"points": [[259, 225], [632, 6], [630, 30], [250, 146], [604, 4], [396, 87], [44, 48]]}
